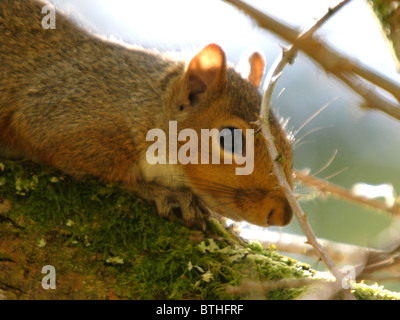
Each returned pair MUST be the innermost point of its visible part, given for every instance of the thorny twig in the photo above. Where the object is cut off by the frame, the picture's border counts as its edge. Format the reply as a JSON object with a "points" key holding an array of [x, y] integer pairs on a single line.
{"points": [[300, 215], [287, 57], [290, 53], [358, 77]]}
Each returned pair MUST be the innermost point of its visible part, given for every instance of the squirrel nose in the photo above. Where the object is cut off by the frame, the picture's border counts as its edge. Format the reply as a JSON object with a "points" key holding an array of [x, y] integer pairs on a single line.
{"points": [[281, 214]]}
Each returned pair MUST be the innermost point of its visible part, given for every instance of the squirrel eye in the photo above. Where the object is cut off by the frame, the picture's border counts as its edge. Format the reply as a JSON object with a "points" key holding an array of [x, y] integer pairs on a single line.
{"points": [[231, 139]]}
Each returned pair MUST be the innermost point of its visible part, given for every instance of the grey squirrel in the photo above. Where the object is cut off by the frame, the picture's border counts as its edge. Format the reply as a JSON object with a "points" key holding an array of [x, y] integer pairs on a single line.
{"points": [[84, 105]]}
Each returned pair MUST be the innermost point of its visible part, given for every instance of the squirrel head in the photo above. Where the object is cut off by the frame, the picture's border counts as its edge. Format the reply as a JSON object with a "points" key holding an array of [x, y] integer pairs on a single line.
{"points": [[214, 98]]}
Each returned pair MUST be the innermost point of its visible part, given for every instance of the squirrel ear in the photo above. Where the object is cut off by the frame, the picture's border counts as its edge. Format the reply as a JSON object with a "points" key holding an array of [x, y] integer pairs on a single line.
{"points": [[257, 66], [206, 69]]}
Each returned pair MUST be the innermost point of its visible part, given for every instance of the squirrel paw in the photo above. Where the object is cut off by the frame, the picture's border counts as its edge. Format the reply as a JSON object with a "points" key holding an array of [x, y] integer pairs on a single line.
{"points": [[163, 206], [192, 209]]}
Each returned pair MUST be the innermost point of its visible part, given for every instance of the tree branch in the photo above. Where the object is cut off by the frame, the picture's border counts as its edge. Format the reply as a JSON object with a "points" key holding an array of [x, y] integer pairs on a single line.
{"points": [[333, 62], [339, 192], [287, 56]]}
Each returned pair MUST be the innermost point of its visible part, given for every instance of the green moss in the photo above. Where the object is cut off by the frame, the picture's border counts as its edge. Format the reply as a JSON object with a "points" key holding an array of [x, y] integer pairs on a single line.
{"points": [[106, 244], [388, 15], [383, 9], [374, 292]]}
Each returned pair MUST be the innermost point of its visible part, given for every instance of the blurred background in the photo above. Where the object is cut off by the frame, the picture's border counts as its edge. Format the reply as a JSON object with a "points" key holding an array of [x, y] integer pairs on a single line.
{"points": [[367, 142]]}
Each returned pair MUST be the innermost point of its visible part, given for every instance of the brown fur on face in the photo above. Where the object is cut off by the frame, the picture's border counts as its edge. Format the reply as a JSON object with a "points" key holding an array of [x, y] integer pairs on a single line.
{"points": [[257, 197]]}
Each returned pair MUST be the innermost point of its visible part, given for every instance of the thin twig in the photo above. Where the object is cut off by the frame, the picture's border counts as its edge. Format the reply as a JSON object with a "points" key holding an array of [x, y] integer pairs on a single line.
{"points": [[342, 193], [373, 100], [348, 71], [383, 263], [301, 217], [287, 57]]}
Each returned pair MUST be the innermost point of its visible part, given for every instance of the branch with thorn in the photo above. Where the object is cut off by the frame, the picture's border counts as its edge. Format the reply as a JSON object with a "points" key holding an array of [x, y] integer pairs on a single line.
{"points": [[288, 56]]}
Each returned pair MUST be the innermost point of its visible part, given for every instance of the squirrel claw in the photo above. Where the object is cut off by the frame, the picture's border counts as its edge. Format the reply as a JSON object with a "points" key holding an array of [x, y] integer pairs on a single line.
{"points": [[193, 211], [163, 206]]}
